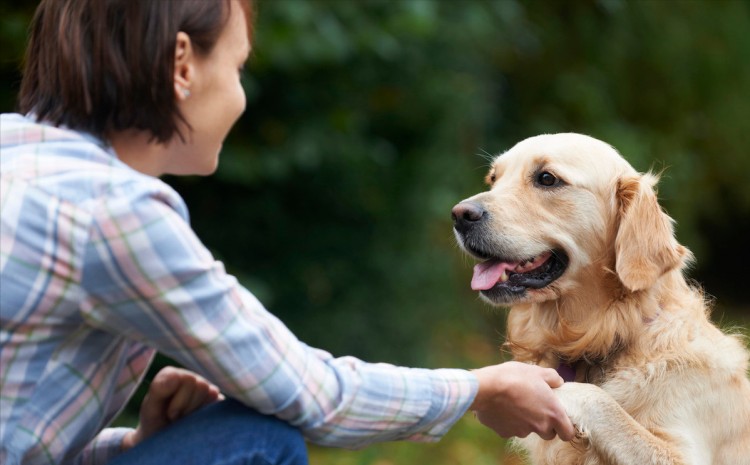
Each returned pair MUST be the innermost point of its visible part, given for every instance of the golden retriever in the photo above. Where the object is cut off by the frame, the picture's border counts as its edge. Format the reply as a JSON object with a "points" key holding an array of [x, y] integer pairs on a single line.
{"points": [[573, 239]]}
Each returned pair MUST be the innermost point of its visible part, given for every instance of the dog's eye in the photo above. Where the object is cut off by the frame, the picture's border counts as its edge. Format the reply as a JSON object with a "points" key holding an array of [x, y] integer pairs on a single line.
{"points": [[546, 179], [490, 178]]}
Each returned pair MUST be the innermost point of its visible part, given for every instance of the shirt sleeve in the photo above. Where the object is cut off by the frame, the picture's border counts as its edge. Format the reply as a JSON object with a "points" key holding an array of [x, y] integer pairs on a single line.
{"points": [[105, 446], [149, 278]]}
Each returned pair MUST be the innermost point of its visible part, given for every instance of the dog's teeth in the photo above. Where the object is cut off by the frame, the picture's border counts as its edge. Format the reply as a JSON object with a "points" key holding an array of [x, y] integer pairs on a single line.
{"points": [[504, 277]]}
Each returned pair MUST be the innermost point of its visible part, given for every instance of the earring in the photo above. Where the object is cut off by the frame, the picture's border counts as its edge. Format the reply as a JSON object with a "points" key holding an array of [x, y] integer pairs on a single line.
{"points": [[186, 93]]}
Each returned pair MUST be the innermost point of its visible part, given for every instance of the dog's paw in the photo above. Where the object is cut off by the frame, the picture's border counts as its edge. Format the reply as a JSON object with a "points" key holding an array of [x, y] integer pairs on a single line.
{"points": [[579, 400], [582, 435]]}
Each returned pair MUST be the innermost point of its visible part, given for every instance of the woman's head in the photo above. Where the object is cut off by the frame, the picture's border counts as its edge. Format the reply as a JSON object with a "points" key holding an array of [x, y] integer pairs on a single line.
{"points": [[108, 66]]}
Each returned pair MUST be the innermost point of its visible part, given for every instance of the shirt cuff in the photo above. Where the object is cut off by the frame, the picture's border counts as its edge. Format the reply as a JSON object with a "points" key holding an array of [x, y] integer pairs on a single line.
{"points": [[105, 446], [453, 392]]}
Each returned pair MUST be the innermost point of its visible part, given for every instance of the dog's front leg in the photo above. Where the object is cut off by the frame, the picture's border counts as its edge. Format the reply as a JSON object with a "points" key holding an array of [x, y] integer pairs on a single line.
{"points": [[612, 433]]}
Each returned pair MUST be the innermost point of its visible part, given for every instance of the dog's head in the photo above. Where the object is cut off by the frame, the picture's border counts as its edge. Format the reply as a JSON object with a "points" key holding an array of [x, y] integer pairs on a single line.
{"points": [[564, 211]]}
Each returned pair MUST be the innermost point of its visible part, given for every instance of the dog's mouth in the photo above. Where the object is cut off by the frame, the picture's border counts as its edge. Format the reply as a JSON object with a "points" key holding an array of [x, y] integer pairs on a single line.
{"points": [[501, 280]]}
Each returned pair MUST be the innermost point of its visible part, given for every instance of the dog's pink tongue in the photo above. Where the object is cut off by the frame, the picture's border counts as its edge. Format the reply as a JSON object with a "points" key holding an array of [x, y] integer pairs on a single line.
{"points": [[487, 274]]}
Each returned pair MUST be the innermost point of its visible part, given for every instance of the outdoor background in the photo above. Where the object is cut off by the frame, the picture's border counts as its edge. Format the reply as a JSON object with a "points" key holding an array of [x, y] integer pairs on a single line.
{"points": [[367, 120]]}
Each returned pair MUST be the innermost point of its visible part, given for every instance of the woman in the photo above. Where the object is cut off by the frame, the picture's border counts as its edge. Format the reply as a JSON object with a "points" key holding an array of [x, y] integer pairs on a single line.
{"points": [[99, 268]]}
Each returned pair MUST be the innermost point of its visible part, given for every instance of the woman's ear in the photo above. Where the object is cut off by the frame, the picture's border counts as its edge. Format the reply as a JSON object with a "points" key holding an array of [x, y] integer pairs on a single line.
{"points": [[645, 245], [184, 66]]}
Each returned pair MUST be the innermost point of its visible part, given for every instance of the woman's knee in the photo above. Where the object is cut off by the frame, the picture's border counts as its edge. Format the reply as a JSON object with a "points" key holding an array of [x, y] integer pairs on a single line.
{"points": [[280, 443], [226, 433]]}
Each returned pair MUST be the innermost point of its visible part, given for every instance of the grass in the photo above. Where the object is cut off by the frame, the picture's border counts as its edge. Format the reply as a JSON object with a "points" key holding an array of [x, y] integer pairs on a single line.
{"points": [[468, 443]]}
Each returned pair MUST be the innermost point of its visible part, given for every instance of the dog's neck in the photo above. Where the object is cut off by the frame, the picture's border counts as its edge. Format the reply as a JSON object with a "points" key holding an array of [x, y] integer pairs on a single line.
{"points": [[586, 370], [591, 331]]}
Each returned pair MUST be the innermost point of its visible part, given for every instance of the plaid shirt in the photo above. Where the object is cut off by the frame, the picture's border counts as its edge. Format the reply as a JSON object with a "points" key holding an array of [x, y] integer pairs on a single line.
{"points": [[99, 268]]}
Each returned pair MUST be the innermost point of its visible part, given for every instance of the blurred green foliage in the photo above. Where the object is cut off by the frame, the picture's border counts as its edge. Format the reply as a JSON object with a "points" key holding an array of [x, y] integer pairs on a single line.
{"points": [[368, 120]]}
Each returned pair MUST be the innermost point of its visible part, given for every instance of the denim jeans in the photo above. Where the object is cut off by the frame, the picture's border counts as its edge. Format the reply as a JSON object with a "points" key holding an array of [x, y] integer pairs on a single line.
{"points": [[224, 433]]}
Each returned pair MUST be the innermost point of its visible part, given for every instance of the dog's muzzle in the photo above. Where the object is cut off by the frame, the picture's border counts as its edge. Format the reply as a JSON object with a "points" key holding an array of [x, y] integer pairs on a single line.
{"points": [[503, 275]]}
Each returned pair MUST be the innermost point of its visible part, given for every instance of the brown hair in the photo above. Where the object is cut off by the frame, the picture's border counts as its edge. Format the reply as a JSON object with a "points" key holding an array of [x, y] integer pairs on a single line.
{"points": [[102, 66]]}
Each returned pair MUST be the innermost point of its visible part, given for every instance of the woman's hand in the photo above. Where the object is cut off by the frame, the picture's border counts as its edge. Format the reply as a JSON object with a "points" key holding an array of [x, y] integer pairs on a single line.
{"points": [[516, 399], [173, 394]]}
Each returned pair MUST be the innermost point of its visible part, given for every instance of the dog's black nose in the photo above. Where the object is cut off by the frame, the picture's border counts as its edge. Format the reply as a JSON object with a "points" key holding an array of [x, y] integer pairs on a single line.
{"points": [[466, 215]]}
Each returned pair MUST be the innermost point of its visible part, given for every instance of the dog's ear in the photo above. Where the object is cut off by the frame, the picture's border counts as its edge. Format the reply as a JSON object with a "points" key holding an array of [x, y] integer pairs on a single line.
{"points": [[645, 245]]}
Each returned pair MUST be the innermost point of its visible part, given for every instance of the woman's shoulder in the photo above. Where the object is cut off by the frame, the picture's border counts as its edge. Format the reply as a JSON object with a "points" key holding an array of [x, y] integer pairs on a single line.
{"points": [[21, 133], [73, 166]]}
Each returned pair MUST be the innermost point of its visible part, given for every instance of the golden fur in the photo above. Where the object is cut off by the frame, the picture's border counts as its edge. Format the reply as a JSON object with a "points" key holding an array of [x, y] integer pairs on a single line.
{"points": [[658, 383]]}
